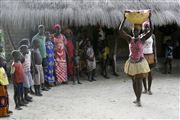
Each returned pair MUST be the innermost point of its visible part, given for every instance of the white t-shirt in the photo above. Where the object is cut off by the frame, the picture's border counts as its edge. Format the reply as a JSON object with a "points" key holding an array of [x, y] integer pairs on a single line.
{"points": [[148, 46], [27, 62]]}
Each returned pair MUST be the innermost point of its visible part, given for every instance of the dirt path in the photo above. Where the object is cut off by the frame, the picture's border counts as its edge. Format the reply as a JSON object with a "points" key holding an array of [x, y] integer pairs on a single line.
{"points": [[110, 98]]}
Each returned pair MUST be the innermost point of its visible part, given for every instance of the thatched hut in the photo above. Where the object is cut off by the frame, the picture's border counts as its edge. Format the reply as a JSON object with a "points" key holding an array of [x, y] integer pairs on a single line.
{"points": [[25, 15], [29, 13]]}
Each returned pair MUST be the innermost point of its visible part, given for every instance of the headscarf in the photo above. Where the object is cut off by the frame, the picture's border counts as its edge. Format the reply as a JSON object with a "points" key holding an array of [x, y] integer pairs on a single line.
{"points": [[56, 26], [146, 23], [40, 26]]}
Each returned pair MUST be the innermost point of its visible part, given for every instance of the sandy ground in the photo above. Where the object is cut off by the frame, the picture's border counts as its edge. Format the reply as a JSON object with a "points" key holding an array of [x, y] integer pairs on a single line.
{"points": [[105, 99]]}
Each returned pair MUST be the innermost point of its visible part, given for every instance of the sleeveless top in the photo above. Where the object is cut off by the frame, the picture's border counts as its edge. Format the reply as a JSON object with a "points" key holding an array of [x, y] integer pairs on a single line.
{"points": [[27, 62], [136, 49], [148, 46], [18, 72]]}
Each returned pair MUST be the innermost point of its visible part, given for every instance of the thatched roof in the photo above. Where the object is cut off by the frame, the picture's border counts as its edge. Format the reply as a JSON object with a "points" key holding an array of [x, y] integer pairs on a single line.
{"points": [[30, 13]]}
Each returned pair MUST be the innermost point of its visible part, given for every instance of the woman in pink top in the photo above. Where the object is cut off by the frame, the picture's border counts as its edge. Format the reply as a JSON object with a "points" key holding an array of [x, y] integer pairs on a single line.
{"points": [[136, 66]]}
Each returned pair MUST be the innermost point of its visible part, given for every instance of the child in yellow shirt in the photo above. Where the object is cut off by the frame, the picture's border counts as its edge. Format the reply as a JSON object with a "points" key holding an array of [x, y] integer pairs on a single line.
{"points": [[4, 99]]}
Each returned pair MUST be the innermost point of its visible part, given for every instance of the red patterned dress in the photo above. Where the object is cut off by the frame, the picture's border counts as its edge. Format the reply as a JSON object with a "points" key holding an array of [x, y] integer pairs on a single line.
{"points": [[60, 58], [70, 50]]}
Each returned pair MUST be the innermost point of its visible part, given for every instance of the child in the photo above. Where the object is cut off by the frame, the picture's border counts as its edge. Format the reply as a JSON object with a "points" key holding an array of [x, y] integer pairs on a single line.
{"points": [[17, 73], [37, 67], [105, 60], [169, 56], [91, 62], [25, 41], [82, 59], [27, 69], [76, 67], [49, 69], [4, 104]]}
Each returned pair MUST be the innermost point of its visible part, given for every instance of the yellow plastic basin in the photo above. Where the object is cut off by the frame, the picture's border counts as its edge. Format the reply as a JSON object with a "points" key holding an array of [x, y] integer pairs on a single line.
{"points": [[137, 16]]}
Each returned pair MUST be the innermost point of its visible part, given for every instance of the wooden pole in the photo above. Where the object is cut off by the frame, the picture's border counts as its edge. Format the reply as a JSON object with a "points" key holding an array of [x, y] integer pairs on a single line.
{"points": [[115, 55]]}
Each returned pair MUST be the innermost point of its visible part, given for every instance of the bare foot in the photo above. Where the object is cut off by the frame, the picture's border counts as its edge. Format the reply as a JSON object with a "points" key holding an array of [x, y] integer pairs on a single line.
{"points": [[10, 112], [144, 92], [115, 74], [138, 104], [135, 101], [149, 92], [79, 83], [170, 72]]}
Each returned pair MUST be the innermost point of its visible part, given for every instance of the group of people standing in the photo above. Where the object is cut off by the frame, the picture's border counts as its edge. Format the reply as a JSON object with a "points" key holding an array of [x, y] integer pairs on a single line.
{"points": [[46, 61]]}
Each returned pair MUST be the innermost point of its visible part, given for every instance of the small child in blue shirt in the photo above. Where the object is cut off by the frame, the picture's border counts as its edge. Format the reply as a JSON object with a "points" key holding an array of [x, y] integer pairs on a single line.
{"points": [[169, 56]]}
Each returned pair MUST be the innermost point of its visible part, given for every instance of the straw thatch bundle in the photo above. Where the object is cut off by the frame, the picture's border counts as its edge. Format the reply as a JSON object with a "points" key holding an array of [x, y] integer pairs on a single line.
{"points": [[30, 13]]}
